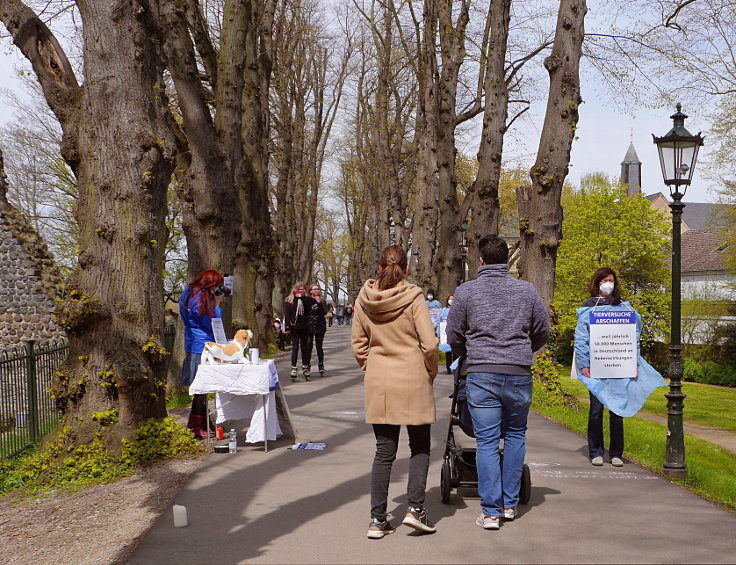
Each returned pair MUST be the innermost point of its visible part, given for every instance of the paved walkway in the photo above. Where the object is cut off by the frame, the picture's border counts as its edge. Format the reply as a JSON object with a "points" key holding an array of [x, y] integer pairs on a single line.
{"points": [[289, 506]]}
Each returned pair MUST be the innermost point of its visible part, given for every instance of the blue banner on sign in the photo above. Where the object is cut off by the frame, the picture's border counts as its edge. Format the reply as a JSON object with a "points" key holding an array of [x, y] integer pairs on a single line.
{"points": [[611, 317]]}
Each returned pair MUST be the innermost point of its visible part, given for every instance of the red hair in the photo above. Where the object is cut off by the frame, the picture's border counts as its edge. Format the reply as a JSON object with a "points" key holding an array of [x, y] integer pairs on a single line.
{"points": [[203, 288]]}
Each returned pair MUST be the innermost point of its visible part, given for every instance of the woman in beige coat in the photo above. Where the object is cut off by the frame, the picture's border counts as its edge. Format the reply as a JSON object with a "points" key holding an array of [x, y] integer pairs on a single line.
{"points": [[395, 344]]}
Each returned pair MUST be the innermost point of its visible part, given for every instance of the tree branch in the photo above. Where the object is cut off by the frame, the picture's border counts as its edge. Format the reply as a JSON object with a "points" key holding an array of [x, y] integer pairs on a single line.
{"points": [[50, 63]]}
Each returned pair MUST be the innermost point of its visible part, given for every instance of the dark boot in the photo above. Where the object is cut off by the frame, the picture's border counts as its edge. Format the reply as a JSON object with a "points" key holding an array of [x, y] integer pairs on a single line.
{"points": [[195, 424]]}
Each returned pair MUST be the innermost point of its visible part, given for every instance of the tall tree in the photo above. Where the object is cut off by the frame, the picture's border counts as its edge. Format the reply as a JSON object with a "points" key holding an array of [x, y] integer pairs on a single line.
{"points": [[225, 71], [540, 223], [117, 143]]}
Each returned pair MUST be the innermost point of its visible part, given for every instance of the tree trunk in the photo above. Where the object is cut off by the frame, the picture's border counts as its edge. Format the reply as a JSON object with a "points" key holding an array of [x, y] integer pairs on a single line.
{"points": [[424, 224], [254, 257], [211, 223], [484, 209], [539, 204], [117, 143]]}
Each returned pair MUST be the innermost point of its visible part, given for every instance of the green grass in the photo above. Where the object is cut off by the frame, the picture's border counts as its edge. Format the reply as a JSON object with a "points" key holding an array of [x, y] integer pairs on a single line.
{"points": [[705, 404], [710, 467]]}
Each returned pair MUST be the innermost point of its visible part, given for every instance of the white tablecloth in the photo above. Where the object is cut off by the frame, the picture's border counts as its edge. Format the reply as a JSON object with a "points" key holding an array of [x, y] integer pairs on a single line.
{"points": [[240, 393]]}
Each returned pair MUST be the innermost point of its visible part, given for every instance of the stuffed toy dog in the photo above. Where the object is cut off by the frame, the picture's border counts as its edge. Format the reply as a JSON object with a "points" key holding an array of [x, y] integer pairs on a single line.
{"points": [[233, 352]]}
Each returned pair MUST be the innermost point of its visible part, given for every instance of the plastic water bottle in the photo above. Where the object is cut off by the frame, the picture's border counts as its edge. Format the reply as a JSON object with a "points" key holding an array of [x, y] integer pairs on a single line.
{"points": [[233, 441]]}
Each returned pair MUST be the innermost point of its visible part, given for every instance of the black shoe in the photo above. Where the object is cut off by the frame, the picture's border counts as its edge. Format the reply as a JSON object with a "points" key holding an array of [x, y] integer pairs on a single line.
{"points": [[321, 370], [417, 518], [377, 528]]}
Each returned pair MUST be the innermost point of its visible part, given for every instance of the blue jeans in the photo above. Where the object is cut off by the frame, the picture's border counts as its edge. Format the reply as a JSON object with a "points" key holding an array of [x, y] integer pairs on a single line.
{"points": [[499, 406]]}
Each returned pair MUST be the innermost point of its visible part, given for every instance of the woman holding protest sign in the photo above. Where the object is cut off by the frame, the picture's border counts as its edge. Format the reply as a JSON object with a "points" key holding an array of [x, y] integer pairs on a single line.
{"points": [[608, 362]]}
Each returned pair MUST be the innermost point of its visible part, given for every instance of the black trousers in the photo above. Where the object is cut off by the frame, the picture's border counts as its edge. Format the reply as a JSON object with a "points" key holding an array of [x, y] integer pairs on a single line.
{"points": [[316, 340], [300, 339], [387, 443], [595, 430]]}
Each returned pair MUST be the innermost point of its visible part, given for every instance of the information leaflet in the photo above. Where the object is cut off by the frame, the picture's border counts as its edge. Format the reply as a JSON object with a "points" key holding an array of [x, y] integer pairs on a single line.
{"points": [[612, 344], [219, 330]]}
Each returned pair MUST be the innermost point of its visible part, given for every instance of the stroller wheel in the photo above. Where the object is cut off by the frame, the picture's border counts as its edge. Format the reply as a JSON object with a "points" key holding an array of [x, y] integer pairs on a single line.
{"points": [[525, 492], [445, 482]]}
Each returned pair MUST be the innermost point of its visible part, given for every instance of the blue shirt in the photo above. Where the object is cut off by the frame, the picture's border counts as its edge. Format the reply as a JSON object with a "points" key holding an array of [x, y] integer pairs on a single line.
{"points": [[197, 327]]}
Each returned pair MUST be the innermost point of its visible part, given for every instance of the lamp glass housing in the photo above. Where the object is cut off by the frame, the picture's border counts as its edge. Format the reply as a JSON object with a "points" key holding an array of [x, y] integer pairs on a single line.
{"points": [[678, 153]]}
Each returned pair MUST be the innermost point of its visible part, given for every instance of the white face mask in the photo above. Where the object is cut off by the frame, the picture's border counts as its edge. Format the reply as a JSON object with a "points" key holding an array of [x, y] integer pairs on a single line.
{"points": [[450, 302], [606, 288], [430, 297]]}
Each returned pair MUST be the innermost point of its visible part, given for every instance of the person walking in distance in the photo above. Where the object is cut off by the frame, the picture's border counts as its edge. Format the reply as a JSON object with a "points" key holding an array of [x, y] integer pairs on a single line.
{"points": [[394, 342], [296, 310], [348, 314], [330, 314], [496, 322], [317, 326]]}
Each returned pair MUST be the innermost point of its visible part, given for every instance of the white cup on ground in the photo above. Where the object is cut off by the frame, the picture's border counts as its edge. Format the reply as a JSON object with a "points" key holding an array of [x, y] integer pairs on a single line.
{"points": [[180, 516]]}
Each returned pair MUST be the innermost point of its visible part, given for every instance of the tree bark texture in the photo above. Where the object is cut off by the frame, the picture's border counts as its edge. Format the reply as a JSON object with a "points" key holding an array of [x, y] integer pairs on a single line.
{"points": [[211, 222], [117, 143], [424, 223], [255, 252], [539, 204], [448, 261], [484, 208]]}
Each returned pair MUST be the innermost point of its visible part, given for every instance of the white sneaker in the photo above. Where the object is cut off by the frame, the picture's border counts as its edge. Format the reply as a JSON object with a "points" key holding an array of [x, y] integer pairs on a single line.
{"points": [[488, 522], [509, 513], [597, 461], [616, 462]]}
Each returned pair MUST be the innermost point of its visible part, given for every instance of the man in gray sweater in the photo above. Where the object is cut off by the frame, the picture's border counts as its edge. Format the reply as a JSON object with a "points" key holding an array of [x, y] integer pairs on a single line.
{"points": [[496, 323]]}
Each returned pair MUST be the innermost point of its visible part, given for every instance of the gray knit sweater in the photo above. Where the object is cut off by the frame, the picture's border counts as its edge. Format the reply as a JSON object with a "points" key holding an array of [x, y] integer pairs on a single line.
{"points": [[497, 321]]}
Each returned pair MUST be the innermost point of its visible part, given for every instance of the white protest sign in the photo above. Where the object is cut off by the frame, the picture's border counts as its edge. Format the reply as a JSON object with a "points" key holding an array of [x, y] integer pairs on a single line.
{"points": [[229, 282], [434, 314], [443, 333], [612, 344], [219, 330]]}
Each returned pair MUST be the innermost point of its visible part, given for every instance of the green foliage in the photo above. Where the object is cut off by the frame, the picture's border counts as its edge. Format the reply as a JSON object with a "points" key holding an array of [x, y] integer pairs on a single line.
{"points": [[606, 228], [61, 463], [106, 418], [158, 439], [547, 389], [177, 398], [709, 372]]}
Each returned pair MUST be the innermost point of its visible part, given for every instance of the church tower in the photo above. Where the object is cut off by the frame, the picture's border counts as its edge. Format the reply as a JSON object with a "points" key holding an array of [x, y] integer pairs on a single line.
{"points": [[631, 171]]}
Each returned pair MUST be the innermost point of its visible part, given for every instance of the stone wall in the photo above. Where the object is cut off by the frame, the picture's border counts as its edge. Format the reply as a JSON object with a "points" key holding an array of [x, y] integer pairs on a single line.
{"points": [[29, 283]]}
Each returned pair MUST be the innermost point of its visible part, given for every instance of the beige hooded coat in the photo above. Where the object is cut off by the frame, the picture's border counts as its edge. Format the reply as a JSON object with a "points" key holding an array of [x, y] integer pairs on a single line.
{"points": [[395, 345]]}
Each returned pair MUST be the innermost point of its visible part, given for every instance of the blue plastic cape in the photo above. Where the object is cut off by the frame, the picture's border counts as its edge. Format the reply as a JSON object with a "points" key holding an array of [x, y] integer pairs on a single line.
{"points": [[624, 397]]}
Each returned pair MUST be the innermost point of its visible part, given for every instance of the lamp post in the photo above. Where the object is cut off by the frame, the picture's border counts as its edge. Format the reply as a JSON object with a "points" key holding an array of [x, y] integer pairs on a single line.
{"points": [[463, 249], [678, 152]]}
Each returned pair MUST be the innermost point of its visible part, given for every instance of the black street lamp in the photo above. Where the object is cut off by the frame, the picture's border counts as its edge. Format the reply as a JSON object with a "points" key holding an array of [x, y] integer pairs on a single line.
{"points": [[678, 152]]}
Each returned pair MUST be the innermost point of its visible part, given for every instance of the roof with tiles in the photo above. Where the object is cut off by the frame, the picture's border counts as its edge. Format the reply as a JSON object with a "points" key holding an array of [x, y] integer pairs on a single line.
{"points": [[702, 250]]}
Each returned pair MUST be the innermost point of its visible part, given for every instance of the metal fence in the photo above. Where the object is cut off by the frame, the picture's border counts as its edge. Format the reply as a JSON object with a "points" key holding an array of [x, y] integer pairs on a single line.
{"points": [[27, 411]]}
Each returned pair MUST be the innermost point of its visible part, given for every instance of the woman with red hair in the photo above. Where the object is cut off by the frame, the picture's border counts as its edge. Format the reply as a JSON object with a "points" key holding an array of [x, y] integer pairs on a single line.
{"points": [[198, 304]]}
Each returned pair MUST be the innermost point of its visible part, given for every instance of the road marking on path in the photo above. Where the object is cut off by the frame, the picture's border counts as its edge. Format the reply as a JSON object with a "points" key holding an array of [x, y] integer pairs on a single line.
{"points": [[612, 475]]}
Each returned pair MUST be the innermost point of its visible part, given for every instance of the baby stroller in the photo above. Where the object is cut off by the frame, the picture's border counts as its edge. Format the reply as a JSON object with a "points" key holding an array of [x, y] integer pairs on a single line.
{"points": [[458, 466]]}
